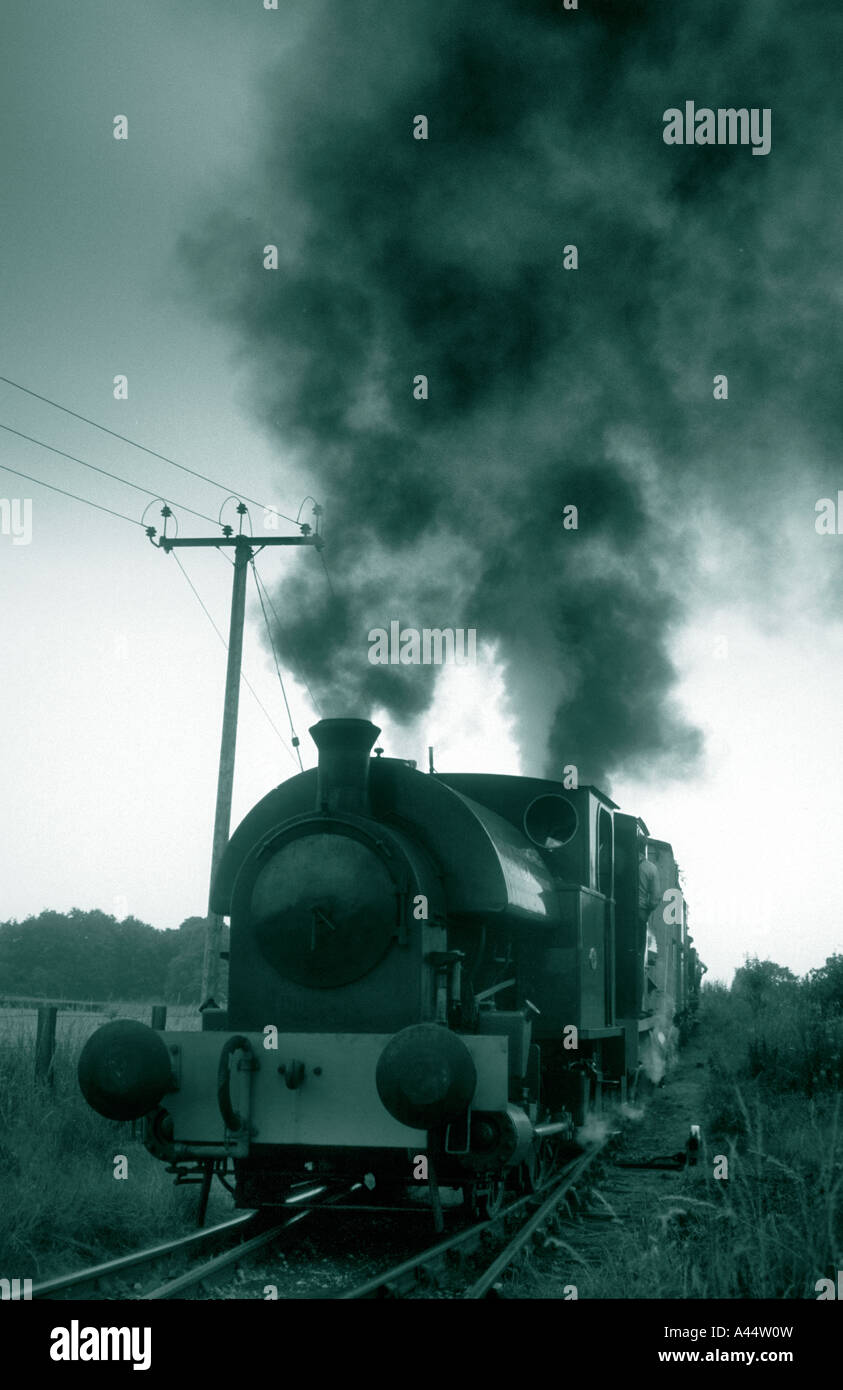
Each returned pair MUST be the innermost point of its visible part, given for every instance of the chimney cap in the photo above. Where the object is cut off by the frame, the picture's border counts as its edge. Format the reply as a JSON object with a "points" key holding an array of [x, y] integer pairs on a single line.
{"points": [[331, 732]]}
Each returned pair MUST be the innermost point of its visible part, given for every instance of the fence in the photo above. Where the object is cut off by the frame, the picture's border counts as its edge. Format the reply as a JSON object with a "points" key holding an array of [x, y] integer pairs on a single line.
{"points": [[45, 1037]]}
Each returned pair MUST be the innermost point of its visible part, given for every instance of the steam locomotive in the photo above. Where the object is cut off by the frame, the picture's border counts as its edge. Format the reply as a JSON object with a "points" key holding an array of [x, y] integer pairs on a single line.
{"points": [[452, 966]]}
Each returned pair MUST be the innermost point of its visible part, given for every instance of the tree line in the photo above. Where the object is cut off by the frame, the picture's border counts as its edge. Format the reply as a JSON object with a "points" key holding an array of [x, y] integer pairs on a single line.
{"points": [[787, 1032], [90, 955]]}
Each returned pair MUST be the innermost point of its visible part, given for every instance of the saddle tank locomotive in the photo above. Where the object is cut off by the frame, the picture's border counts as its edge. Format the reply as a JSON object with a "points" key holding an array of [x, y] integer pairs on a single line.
{"points": [[444, 965]]}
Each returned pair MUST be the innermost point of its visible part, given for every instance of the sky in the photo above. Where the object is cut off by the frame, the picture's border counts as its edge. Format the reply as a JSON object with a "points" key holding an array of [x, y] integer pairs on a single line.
{"points": [[682, 647]]}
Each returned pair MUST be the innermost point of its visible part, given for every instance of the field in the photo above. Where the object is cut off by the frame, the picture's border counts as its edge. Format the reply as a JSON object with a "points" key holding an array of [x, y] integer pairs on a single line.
{"points": [[74, 1025]]}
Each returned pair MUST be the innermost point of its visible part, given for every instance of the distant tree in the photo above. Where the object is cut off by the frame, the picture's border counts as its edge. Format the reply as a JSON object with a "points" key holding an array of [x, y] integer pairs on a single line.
{"points": [[84, 955], [760, 981], [184, 974], [825, 985]]}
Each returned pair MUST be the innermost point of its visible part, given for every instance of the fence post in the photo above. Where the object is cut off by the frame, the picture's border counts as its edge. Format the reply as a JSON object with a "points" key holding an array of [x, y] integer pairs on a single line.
{"points": [[45, 1043], [159, 1016]]}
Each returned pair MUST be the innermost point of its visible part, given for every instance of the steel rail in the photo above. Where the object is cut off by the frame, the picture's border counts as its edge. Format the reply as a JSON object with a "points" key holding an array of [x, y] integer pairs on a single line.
{"points": [[212, 1267], [109, 1268], [481, 1286], [388, 1283], [200, 1273]]}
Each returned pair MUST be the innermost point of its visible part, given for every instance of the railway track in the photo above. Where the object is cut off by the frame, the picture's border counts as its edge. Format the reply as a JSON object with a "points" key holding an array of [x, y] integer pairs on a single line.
{"points": [[411, 1277], [242, 1226], [423, 1270], [68, 1285], [209, 1270]]}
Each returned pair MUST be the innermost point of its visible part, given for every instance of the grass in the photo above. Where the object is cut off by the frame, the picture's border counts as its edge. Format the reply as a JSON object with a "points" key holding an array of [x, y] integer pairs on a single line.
{"points": [[771, 1231], [62, 1206], [772, 1109]]}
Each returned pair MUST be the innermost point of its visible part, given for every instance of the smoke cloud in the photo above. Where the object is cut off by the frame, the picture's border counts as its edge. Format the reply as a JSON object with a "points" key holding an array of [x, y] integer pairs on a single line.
{"points": [[548, 387]]}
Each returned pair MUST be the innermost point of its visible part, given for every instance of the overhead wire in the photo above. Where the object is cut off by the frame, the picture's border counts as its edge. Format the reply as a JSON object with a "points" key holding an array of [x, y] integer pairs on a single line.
{"points": [[294, 735], [135, 445], [75, 495], [203, 516], [261, 588], [243, 677], [327, 575], [259, 584], [298, 675]]}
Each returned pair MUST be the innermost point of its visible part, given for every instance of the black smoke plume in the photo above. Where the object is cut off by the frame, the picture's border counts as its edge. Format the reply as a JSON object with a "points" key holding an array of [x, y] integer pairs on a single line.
{"points": [[548, 387]]}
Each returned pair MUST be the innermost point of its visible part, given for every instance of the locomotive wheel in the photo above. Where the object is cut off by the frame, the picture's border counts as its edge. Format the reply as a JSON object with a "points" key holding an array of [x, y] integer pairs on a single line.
{"points": [[484, 1199], [536, 1167]]}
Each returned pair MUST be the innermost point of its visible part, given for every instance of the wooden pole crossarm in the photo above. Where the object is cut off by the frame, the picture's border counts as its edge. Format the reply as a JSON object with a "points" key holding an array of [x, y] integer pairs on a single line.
{"points": [[172, 542]]}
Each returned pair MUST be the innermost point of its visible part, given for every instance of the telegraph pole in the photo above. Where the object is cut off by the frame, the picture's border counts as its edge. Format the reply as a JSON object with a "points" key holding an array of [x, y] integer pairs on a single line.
{"points": [[245, 548]]}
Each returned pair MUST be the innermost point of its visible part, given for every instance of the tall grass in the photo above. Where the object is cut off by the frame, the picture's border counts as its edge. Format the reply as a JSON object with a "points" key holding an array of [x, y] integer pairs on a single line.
{"points": [[774, 1109], [60, 1203], [774, 1225]]}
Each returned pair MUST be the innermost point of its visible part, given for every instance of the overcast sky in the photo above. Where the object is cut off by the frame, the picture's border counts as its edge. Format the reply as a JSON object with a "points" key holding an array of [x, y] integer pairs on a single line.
{"points": [[708, 691]]}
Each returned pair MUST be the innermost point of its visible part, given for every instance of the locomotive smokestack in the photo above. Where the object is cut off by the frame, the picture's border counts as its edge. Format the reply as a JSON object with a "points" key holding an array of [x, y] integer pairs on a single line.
{"points": [[343, 775]]}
